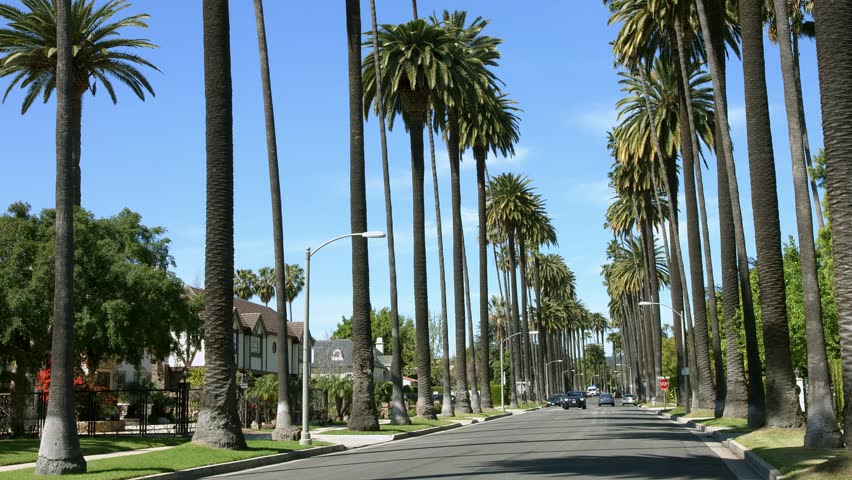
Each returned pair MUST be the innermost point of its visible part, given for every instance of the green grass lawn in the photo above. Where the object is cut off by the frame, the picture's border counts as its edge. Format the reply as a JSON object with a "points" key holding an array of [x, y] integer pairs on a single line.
{"points": [[178, 458], [784, 449], [736, 424], [25, 450], [701, 413], [387, 429]]}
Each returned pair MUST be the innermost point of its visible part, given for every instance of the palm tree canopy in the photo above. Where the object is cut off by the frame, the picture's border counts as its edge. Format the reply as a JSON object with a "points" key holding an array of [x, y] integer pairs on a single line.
{"points": [[245, 284], [415, 62], [511, 202], [101, 55], [493, 125], [294, 281]]}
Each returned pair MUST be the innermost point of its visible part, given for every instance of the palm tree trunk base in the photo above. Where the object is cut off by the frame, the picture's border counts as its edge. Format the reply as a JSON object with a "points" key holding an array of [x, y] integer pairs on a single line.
{"points": [[446, 406], [288, 433], [60, 466], [463, 403], [426, 410], [822, 434], [474, 402], [216, 430], [398, 414]]}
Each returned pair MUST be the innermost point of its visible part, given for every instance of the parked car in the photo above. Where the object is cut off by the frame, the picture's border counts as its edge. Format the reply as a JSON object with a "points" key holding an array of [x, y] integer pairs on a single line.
{"points": [[437, 397], [574, 399], [555, 399], [628, 398], [606, 399]]}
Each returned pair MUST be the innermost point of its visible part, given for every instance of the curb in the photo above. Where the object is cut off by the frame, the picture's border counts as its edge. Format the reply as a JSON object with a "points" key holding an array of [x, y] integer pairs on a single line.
{"points": [[230, 467], [497, 417], [425, 431], [759, 465]]}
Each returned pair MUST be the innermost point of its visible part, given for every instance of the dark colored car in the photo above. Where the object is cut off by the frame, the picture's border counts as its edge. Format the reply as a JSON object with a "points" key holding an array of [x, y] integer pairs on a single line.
{"points": [[606, 399], [574, 399], [628, 398], [555, 399]]}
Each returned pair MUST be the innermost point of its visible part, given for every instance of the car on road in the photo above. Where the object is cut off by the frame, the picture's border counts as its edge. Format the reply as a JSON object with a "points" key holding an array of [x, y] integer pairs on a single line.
{"points": [[628, 398], [555, 399], [592, 391], [606, 399], [574, 399]]}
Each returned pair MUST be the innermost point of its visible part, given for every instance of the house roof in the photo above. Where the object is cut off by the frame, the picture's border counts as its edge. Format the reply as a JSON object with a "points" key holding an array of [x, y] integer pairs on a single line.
{"points": [[250, 313]]}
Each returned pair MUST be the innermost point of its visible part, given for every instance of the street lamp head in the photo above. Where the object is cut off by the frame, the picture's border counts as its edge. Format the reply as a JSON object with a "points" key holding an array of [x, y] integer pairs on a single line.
{"points": [[373, 234], [644, 304], [533, 332]]}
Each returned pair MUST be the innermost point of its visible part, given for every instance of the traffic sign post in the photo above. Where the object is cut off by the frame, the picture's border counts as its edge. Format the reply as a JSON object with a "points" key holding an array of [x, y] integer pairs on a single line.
{"points": [[664, 386]]}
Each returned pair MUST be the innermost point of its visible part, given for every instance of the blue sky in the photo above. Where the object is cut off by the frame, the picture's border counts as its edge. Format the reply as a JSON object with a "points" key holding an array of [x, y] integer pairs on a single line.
{"points": [[556, 63]]}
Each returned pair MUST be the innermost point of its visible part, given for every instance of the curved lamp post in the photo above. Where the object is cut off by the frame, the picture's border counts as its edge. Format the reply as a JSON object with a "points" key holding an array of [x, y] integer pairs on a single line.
{"points": [[546, 382], [306, 333], [503, 373], [685, 372]]}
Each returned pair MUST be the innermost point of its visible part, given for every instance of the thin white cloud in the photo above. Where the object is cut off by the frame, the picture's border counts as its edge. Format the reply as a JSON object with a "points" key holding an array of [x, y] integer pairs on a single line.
{"points": [[595, 192], [736, 115], [595, 118]]}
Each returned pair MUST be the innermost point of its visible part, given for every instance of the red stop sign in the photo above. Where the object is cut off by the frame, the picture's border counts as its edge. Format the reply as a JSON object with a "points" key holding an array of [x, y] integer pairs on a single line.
{"points": [[664, 384]]}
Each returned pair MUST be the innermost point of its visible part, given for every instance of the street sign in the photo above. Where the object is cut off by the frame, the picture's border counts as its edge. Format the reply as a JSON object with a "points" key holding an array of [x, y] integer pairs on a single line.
{"points": [[664, 384]]}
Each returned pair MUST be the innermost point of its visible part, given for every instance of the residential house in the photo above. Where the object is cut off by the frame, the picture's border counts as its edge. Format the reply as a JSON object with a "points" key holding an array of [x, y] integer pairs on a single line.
{"points": [[335, 357]]}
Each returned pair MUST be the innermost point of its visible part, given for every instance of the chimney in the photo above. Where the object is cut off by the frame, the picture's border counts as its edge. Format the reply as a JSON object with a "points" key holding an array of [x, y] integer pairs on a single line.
{"points": [[380, 345]]}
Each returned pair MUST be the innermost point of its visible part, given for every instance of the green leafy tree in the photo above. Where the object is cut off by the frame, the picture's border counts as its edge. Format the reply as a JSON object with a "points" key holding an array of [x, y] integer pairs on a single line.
{"points": [[101, 56], [381, 321]]}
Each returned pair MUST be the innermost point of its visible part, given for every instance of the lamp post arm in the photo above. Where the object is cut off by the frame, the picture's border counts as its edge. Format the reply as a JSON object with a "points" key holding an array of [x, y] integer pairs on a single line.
{"points": [[314, 251]]}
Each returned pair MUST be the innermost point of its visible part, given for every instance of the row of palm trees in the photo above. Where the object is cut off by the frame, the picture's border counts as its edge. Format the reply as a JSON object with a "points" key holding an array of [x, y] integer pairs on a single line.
{"points": [[674, 109], [248, 284]]}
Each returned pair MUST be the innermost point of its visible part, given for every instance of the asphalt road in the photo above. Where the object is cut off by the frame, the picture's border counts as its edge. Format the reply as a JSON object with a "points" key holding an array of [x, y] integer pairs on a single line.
{"points": [[596, 443]]}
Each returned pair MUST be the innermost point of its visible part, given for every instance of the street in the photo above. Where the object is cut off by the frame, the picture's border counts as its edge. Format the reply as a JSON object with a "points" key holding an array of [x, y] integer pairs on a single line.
{"points": [[599, 442]]}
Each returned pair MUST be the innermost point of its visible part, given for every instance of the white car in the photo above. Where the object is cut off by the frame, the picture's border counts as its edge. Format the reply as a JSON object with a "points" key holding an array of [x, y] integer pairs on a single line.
{"points": [[628, 398], [592, 391]]}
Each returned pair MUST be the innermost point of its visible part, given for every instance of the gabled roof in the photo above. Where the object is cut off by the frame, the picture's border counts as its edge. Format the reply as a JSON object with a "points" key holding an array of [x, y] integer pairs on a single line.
{"points": [[323, 352], [250, 313]]}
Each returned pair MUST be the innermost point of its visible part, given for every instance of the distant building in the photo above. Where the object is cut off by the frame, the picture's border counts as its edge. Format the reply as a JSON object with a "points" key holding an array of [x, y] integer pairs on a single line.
{"points": [[335, 357]]}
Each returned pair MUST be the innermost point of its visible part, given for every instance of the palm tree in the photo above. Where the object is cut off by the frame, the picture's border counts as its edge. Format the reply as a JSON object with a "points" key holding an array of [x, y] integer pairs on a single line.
{"points": [[265, 284], [492, 126], [398, 413], [245, 283], [822, 428], [218, 420], [511, 201], [283, 428], [470, 53], [363, 416], [782, 405], [100, 56], [415, 56], [294, 282], [712, 20], [834, 39], [59, 450]]}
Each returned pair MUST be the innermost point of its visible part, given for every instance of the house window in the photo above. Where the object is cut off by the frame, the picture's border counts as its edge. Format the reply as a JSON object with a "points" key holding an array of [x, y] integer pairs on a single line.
{"points": [[255, 346], [274, 347], [120, 379], [337, 356], [102, 380]]}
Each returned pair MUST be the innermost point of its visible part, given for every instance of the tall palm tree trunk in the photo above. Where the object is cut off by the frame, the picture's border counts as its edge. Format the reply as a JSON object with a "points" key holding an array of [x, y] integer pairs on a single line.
{"points": [[218, 420], [59, 450], [363, 415], [462, 395], [737, 390], [654, 290], [689, 150], [806, 145], [782, 405], [834, 41], [398, 412], [484, 340], [712, 28], [822, 429], [516, 322], [711, 300], [283, 421], [474, 394], [544, 356], [446, 400], [525, 325], [425, 407]]}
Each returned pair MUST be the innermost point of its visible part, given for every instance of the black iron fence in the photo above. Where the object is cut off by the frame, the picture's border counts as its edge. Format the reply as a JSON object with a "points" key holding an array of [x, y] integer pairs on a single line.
{"points": [[101, 412]]}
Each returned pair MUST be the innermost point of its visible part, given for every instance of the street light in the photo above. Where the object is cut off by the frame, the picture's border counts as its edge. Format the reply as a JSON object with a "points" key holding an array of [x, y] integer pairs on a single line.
{"points": [[685, 372], [306, 333], [546, 383], [502, 373]]}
